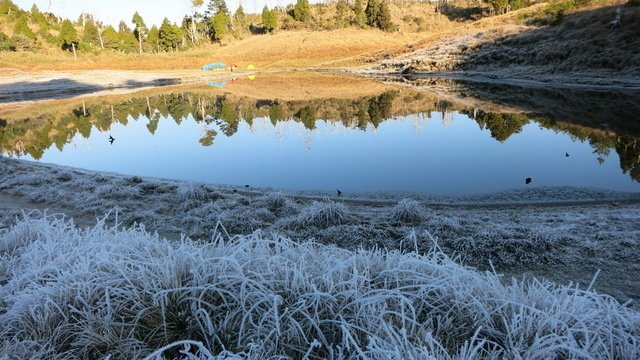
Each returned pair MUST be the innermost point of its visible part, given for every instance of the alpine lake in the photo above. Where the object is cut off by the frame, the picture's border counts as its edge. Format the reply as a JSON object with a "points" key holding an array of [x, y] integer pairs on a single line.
{"points": [[325, 132]]}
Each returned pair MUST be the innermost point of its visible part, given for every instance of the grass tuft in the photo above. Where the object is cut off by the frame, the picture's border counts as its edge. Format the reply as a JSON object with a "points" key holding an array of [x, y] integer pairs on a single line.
{"points": [[324, 214], [408, 211], [106, 292]]}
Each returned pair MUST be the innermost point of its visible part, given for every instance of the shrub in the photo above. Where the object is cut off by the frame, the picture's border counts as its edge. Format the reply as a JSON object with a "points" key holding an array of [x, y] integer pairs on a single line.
{"points": [[6, 44], [23, 43]]}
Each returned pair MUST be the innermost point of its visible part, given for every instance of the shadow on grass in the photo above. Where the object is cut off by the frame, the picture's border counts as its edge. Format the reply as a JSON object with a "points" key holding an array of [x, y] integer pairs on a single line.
{"points": [[66, 88], [579, 41]]}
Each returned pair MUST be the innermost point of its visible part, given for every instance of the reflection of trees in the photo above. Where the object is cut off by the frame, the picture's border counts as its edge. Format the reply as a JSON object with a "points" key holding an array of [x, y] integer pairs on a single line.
{"points": [[36, 133], [445, 107], [227, 116], [208, 138], [628, 149], [307, 116], [379, 108], [276, 113], [501, 125]]}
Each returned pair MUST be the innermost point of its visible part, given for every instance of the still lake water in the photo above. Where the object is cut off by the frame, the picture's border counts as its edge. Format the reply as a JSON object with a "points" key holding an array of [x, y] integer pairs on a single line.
{"points": [[398, 140]]}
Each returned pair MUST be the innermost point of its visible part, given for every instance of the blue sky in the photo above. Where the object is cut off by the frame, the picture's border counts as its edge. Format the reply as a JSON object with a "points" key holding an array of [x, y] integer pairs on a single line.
{"points": [[153, 11]]}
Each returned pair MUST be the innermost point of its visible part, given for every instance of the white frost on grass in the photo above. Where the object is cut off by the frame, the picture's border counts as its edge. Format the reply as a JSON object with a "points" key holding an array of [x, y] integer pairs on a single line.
{"points": [[408, 211], [101, 292], [324, 214], [564, 243]]}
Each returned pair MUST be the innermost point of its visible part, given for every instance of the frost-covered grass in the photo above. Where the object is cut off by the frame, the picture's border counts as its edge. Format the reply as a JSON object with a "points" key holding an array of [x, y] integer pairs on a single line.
{"points": [[408, 211], [99, 292], [323, 214], [560, 242]]}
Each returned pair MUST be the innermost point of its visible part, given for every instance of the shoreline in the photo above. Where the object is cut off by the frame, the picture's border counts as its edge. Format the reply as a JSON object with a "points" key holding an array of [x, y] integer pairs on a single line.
{"points": [[55, 85], [488, 78]]}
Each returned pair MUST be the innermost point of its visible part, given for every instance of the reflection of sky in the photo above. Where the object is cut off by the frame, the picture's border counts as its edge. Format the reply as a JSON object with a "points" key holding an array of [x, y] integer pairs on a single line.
{"points": [[401, 155]]}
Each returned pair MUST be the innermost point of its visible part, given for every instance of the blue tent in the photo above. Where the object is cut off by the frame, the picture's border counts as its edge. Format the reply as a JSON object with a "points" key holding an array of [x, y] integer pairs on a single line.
{"points": [[213, 65], [218, 84]]}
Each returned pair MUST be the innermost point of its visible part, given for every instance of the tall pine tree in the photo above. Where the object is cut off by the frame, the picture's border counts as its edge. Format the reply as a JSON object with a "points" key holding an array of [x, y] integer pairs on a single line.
{"points": [[214, 7], [240, 18], [269, 19], [153, 39], [68, 37], [379, 15], [169, 36], [90, 33], [218, 26], [302, 10]]}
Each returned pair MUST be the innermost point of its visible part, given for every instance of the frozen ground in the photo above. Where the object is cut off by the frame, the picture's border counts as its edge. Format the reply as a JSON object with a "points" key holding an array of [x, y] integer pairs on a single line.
{"points": [[562, 234], [103, 286]]}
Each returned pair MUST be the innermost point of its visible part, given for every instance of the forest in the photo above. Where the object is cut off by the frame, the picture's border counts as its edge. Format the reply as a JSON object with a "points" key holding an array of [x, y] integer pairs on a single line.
{"points": [[214, 22]]}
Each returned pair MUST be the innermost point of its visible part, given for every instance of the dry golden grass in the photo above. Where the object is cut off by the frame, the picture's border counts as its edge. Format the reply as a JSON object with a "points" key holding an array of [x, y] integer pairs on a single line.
{"points": [[296, 49], [443, 31], [307, 86]]}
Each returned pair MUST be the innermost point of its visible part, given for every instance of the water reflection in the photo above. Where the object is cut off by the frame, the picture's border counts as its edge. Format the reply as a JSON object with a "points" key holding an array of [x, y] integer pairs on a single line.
{"points": [[501, 113]]}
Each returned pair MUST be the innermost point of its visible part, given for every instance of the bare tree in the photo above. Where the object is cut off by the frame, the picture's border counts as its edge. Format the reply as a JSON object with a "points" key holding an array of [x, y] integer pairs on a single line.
{"points": [[193, 7]]}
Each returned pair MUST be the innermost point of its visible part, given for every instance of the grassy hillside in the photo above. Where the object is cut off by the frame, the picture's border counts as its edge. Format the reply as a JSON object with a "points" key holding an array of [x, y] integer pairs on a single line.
{"points": [[560, 37], [330, 34], [581, 40], [285, 49]]}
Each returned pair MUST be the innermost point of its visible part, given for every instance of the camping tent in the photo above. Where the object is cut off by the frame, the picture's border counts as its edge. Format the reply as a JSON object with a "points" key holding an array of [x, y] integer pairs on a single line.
{"points": [[215, 65], [218, 84], [250, 67]]}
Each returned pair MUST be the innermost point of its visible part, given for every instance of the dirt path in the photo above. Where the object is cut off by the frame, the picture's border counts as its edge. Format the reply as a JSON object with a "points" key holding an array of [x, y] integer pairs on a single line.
{"points": [[19, 87]]}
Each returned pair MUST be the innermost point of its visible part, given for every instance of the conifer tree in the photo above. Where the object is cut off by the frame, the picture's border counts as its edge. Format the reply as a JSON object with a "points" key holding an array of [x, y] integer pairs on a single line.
{"points": [[214, 7], [169, 36], [240, 18], [90, 34], [153, 39], [302, 10], [38, 18], [68, 37], [22, 28], [379, 15], [218, 26], [361, 17], [269, 19], [110, 37]]}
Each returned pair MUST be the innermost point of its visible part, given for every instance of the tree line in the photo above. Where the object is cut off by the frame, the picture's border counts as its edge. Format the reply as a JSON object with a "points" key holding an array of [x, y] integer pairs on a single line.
{"points": [[35, 29]]}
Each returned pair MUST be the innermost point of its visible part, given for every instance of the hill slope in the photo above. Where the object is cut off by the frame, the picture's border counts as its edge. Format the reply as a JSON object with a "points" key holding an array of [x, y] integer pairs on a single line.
{"points": [[581, 47]]}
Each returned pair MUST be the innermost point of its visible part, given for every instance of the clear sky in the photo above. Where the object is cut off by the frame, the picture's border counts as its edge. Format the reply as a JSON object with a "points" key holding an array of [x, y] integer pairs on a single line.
{"points": [[153, 11]]}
